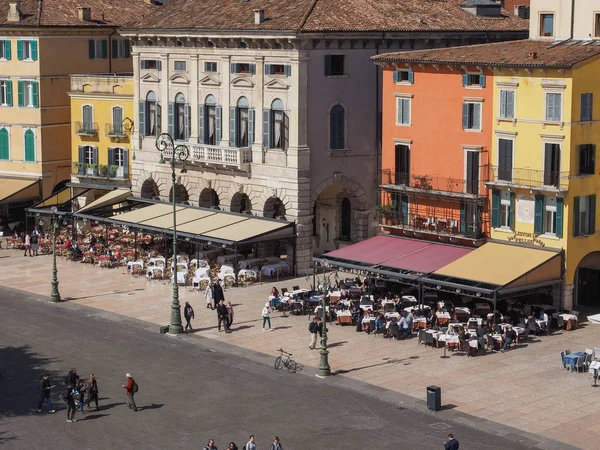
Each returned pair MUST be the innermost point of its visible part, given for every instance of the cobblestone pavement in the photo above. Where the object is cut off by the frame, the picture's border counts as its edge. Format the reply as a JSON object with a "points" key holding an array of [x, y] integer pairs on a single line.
{"points": [[525, 388]]}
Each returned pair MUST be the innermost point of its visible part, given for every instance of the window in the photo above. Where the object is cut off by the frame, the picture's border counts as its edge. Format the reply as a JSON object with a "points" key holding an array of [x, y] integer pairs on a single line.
{"points": [[505, 210], [88, 117], [472, 172], [241, 129], [278, 129], [402, 111], [180, 66], [471, 80], [243, 68], [471, 116], [334, 65], [505, 159], [210, 66], [337, 128], [117, 121], [402, 164], [118, 162], [243, 118], [28, 94], [507, 104], [551, 164], [121, 48], [5, 49], [548, 217], [584, 215], [547, 25], [88, 155], [587, 106], [346, 225], [150, 115], [150, 64], [178, 118], [597, 25], [97, 48], [4, 145], [587, 159], [29, 146], [278, 69], [27, 51], [6, 93], [404, 76], [210, 121], [553, 107]]}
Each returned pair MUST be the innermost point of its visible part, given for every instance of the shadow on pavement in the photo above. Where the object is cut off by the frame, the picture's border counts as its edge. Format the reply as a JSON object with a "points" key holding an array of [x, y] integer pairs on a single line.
{"points": [[103, 294], [152, 406], [6, 439], [337, 344], [245, 327], [92, 417], [109, 406]]}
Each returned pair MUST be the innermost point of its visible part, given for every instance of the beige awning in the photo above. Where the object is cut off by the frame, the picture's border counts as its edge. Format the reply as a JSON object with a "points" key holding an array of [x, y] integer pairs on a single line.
{"points": [[17, 189], [112, 198], [60, 198]]}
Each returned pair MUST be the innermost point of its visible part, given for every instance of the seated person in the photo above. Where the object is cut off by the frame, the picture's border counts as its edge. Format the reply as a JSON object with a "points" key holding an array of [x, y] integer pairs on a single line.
{"points": [[432, 320], [450, 331], [544, 318], [274, 292], [404, 327], [509, 337], [380, 324]]}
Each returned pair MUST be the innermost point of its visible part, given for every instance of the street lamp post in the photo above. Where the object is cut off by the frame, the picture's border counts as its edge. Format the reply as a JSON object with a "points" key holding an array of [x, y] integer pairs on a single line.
{"points": [[165, 143], [324, 369], [54, 294]]}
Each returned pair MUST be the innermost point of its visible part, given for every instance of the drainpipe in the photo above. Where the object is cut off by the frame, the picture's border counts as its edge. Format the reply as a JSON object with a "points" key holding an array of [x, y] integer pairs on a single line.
{"points": [[109, 50], [572, 18], [379, 125]]}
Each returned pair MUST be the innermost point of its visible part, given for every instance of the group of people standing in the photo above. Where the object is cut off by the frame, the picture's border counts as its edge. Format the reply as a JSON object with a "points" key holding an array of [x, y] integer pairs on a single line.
{"points": [[215, 300], [31, 241], [250, 445]]}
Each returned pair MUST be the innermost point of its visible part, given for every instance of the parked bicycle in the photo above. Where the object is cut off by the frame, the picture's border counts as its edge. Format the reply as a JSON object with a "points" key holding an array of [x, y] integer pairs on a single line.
{"points": [[284, 360]]}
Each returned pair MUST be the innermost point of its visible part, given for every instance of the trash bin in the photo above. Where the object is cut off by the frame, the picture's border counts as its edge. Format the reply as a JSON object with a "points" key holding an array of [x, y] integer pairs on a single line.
{"points": [[434, 398]]}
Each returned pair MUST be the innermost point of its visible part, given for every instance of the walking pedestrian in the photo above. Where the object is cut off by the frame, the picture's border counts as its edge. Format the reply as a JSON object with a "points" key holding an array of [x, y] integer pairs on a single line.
{"points": [[313, 328], [251, 445], [72, 378], [211, 445], [45, 387], [276, 445], [79, 395], [27, 244], [222, 316], [266, 316], [188, 313], [208, 294], [70, 399], [229, 315], [217, 293], [131, 388], [232, 446], [34, 242], [451, 443], [92, 390]]}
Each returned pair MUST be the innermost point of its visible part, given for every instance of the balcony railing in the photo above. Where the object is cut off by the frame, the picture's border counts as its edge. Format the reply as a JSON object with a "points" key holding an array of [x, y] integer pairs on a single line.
{"points": [[431, 225], [86, 128], [400, 181], [99, 171], [216, 155], [115, 130], [546, 180]]}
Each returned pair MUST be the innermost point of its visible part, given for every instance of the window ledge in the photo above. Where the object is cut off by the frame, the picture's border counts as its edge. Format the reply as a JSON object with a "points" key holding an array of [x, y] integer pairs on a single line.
{"points": [[403, 83], [337, 76], [545, 123], [474, 87], [512, 120], [504, 230], [403, 124], [338, 152], [471, 130], [553, 237]]}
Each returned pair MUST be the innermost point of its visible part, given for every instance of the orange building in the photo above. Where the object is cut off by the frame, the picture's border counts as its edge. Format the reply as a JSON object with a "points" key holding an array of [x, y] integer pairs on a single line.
{"points": [[436, 139]]}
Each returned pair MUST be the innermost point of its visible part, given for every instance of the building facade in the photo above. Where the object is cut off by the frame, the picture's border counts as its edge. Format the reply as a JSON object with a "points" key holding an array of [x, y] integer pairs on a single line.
{"points": [[277, 105]]}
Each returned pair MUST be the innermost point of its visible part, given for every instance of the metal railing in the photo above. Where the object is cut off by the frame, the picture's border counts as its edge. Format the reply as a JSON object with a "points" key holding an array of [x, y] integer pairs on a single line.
{"points": [[213, 154], [115, 130], [99, 171], [431, 225], [529, 178], [433, 183], [86, 128]]}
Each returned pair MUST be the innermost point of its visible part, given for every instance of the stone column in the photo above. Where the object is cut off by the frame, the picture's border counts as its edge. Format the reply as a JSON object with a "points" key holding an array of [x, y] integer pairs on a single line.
{"points": [[225, 99], [194, 102], [568, 296], [164, 92], [259, 97]]}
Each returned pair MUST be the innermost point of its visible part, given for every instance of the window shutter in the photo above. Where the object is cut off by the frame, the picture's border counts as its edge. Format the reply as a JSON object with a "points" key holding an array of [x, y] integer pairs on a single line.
{"points": [[592, 215], [592, 156], [327, 65], [538, 220], [111, 157], [404, 209], [482, 81], [411, 77], [188, 121], [201, 132], [511, 216], [115, 48], [549, 106], [250, 127], [463, 218], [548, 176], [576, 216], [286, 131], [125, 163], [127, 45], [503, 103], [465, 116], [287, 69], [34, 50], [252, 69], [234, 68], [559, 217], [4, 144], [91, 49], [20, 93], [495, 208], [218, 126], [465, 79], [510, 104], [158, 118], [9, 98], [7, 50], [142, 118], [171, 123], [477, 116], [159, 65], [35, 94], [104, 49], [20, 50], [143, 64], [405, 111], [266, 128], [95, 155], [233, 127], [81, 152], [267, 69], [396, 76]]}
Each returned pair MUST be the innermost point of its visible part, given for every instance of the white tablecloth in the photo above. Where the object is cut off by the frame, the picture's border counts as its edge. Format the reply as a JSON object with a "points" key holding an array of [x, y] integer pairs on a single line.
{"points": [[368, 319], [132, 264], [389, 315], [271, 270], [463, 309], [409, 298], [443, 315], [566, 316], [448, 338], [344, 314], [224, 259], [248, 263]]}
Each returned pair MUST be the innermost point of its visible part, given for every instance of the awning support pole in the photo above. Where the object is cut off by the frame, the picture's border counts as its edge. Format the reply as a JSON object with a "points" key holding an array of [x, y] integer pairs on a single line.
{"points": [[235, 263], [135, 245]]}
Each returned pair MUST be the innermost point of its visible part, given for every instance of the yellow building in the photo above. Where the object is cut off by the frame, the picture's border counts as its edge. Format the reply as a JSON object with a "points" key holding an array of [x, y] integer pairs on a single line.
{"points": [[101, 125], [42, 43]]}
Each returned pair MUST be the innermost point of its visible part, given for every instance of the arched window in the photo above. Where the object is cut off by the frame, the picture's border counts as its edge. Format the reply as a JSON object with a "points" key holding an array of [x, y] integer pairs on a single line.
{"points": [[117, 121], [150, 189], [29, 146], [4, 146], [243, 112], [152, 123], [181, 194], [337, 126], [346, 225], [210, 121], [180, 118], [209, 199], [88, 120], [278, 128]]}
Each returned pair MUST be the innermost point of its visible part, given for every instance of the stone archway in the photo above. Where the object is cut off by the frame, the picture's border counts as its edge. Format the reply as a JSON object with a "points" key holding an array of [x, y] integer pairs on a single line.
{"points": [[587, 281], [150, 189], [240, 203], [274, 208], [181, 194], [209, 198]]}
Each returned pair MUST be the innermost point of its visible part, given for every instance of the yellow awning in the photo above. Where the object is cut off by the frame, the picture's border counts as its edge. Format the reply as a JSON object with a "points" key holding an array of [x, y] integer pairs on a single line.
{"points": [[14, 189], [112, 198], [59, 198], [505, 265]]}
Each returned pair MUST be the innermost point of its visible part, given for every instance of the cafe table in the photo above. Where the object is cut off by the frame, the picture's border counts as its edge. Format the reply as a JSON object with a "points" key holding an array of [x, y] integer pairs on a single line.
{"points": [[344, 318], [570, 321], [571, 359]]}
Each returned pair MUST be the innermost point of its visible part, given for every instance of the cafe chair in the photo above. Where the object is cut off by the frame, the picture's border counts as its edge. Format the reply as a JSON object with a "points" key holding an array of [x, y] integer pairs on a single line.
{"points": [[596, 352], [560, 322], [586, 361], [295, 288], [394, 331], [491, 342], [579, 364], [429, 339], [523, 337], [283, 291], [422, 337], [575, 313]]}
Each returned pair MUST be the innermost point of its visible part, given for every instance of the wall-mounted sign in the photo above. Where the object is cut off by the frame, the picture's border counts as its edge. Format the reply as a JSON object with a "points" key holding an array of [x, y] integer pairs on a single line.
{"points": [[525, 208], [526, 238]]}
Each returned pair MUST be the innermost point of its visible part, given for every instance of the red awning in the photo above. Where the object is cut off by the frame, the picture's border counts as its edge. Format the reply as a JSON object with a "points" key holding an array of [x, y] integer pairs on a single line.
{"points": [[400, 253]]}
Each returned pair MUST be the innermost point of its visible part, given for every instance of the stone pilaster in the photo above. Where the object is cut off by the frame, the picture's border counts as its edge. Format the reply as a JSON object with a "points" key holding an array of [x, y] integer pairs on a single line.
{"points": [[225, 100], [568, 299]]}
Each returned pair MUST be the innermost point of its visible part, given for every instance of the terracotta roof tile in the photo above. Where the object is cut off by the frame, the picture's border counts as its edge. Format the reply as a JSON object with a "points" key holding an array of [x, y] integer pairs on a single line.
{"points": [[63, 13], [327, 15], [525, 53]]}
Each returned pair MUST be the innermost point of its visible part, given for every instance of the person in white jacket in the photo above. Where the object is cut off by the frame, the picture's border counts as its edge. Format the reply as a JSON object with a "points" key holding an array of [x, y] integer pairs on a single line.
{"points": [[266, 315], [251, 445], [208, 293]]}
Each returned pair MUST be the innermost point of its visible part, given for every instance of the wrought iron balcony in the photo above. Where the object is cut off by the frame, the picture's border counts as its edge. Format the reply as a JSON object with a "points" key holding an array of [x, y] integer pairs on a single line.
{"points": [[86, 128], [115, 130], [445, 186], [542, 180], [100, 171], [214, 155], [435, 226]]}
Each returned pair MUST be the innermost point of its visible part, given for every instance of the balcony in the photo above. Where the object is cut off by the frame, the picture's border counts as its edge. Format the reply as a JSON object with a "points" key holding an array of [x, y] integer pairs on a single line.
{"points": [[88, 129], [420, 226], [539, 180], [83, 170], [214, 155], [439, 186], [116, 130]]}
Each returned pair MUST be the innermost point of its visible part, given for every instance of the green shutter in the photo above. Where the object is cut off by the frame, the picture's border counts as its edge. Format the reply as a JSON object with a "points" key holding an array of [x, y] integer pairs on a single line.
{"points": [[20, 50], [327, 65], [127, 49], [232, 127], [115, 48], [104, 49], [35, 94], [559, 217], [9, 100], [404, 208], [411, 77], [7, 50], [495, 208], [29, 146], [34, 50], [465, 79], [592, 215], [463, 218], [92, 49], [4, 144], [20, 93], [125, 163], [538, 223], [482, 81], [218, 130], [142, 118], [396, 76], [511, 215], [576, 216]]}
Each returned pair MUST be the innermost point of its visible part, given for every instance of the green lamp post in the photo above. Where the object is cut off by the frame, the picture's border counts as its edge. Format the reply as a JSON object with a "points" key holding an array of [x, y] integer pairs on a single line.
{"points": [[324, 284], [54, 294], [166, 146]]}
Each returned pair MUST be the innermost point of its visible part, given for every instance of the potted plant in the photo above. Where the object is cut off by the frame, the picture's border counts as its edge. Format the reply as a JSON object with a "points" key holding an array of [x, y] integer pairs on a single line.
{"points": [[91, 169], [393, 213], [103, 170], [112, 171]]}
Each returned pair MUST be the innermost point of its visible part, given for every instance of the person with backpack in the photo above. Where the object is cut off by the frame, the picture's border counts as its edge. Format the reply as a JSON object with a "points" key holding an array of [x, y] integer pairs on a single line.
{"points": [[79, 395], [71, 407], [211, 445], [276, 445], [34, 242], [251, 445], [188, 313], [72, 378], [45, 387], [131, 388], [92, 390], [313, 328], [222, 316]]}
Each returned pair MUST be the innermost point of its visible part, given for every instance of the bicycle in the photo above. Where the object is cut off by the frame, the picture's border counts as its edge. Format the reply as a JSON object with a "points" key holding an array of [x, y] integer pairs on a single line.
{"points": [[280, 362]]}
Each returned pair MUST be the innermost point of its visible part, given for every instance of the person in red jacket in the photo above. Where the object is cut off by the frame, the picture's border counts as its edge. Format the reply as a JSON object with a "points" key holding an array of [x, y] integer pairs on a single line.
{"points": [[131, 388]]}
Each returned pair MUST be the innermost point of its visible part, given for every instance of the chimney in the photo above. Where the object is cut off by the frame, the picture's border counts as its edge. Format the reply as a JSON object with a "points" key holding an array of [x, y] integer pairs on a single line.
{"points": [[532, 55], [14, 12], [259, 16], [85, 14]]}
